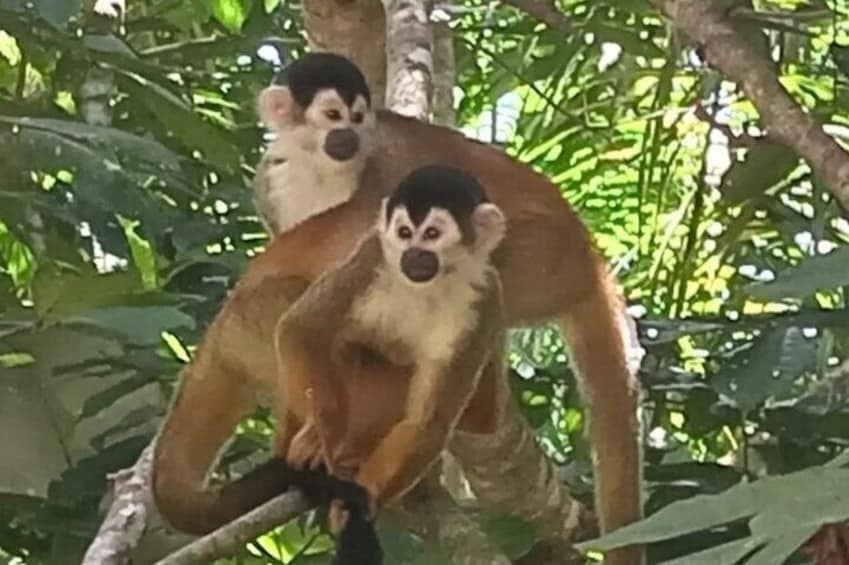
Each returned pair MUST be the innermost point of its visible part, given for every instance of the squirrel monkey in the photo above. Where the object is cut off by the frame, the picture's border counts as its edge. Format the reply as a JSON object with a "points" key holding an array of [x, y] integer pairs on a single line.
{"points": [[418, 291], [322, 204]]}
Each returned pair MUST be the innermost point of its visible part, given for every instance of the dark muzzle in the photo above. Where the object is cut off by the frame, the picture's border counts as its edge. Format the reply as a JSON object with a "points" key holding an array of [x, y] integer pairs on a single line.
{"points": [[419, 265], [341, 144]]}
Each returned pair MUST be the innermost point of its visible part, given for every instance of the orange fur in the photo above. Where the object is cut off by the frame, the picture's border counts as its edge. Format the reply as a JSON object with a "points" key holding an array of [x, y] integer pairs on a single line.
{"points": [[550, 271]]}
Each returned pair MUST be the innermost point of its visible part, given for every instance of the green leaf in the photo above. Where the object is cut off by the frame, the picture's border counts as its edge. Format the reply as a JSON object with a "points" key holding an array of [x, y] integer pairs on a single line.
{"points": [[812, 274], [138, 325], [107, 397], [59, 296], [730, 552], [185, 123], [776, 359], [57, 12], [767, 496], [231, 13], [143, 256], [783, 546]]}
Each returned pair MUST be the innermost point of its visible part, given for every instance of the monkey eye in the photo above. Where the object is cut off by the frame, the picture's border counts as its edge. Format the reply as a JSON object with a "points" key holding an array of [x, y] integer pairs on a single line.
{"points": [[432, 233], [334, 115], [357, 117], [404, 232]]}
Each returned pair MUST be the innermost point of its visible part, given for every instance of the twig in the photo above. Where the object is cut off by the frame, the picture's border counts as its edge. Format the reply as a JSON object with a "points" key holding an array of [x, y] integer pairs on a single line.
{"points": [[786, 121], [545, 11], [127, 517], [231, 538]]}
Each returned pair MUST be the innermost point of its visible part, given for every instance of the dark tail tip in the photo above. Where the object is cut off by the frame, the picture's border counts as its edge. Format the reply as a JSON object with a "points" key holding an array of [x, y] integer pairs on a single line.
{"points": [[358, 543]]}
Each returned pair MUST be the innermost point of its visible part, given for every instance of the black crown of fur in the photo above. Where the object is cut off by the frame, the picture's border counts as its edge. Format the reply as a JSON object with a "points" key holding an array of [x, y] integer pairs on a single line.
{"points": [[317, 71], [437, 186]]}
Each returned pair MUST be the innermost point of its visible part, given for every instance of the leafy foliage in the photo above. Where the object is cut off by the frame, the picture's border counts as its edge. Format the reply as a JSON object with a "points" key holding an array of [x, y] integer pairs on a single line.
{"points": [[122, 226]]}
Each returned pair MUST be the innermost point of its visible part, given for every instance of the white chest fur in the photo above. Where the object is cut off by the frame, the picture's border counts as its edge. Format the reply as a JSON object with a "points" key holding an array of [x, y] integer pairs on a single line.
{"points": [[428, 321], [298, 191]]}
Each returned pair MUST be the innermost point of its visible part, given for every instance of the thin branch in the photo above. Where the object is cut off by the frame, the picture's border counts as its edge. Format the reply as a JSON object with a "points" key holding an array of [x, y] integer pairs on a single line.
{"points": [[231, 538], [127, 517], [545, 11], [784, 119]]}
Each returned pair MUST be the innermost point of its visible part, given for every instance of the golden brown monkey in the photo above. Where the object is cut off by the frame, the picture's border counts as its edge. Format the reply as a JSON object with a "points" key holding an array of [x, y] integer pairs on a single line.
{"points": [[419, 291], [547, 263]]}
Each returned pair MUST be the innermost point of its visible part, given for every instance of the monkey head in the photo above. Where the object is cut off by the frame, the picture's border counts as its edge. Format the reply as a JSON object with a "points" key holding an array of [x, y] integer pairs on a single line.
{"points": [[437, 221], [322, 107]]}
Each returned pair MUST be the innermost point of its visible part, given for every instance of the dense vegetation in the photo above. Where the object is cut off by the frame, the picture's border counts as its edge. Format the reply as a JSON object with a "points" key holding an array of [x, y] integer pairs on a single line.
{"points": [[125, 215]]}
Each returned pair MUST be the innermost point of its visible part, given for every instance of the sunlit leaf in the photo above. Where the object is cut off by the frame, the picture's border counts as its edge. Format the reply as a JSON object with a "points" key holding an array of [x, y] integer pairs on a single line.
{"points": [[231, 13]]}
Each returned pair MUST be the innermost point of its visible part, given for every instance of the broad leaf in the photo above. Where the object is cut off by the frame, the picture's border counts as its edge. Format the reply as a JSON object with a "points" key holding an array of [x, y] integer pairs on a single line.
{"points": [[813, 274]]}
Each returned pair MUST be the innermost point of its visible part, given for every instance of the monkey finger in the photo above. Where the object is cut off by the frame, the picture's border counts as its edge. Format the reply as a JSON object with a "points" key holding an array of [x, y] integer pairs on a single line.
{"points": [[304, 448]]}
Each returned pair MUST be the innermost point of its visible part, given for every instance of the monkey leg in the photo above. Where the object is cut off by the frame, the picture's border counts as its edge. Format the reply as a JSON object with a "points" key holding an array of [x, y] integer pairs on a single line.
{"points": [[404, 455], [412, 445], [594, 329], [313, 391]]}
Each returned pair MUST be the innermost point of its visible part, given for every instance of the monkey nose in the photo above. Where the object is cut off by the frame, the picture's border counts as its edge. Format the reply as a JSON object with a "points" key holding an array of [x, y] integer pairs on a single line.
{"points": [[341, 144], [419, 265]]}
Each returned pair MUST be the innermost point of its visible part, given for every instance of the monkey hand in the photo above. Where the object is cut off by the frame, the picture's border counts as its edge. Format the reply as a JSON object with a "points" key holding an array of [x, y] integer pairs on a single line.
{"points": [[306, 450]]}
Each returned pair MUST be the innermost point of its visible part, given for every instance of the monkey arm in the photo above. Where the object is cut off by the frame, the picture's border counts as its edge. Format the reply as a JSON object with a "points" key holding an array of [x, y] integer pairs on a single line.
{"points": [[437, 396]]}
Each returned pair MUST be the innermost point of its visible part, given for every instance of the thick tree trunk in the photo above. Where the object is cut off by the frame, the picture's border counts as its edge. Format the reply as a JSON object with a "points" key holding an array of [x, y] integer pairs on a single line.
{"points": [[409, 51], [444, 76], [356, 29]]}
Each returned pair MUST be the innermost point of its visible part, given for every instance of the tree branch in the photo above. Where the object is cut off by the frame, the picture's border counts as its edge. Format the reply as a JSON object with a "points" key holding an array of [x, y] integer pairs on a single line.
{"points": [[509, 473], [444, 75], [231, 538], [409, 51], [429, 511], [545, 11], [127, 517], [784, 119]]}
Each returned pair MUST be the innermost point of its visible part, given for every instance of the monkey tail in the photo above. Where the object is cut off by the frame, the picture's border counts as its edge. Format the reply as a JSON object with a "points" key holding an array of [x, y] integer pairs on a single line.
{"points": [[357, 543]]}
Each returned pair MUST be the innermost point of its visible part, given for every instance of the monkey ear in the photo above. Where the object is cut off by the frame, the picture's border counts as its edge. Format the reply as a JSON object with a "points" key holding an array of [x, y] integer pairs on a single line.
{"points": [[490, 226], [274, 106]]}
